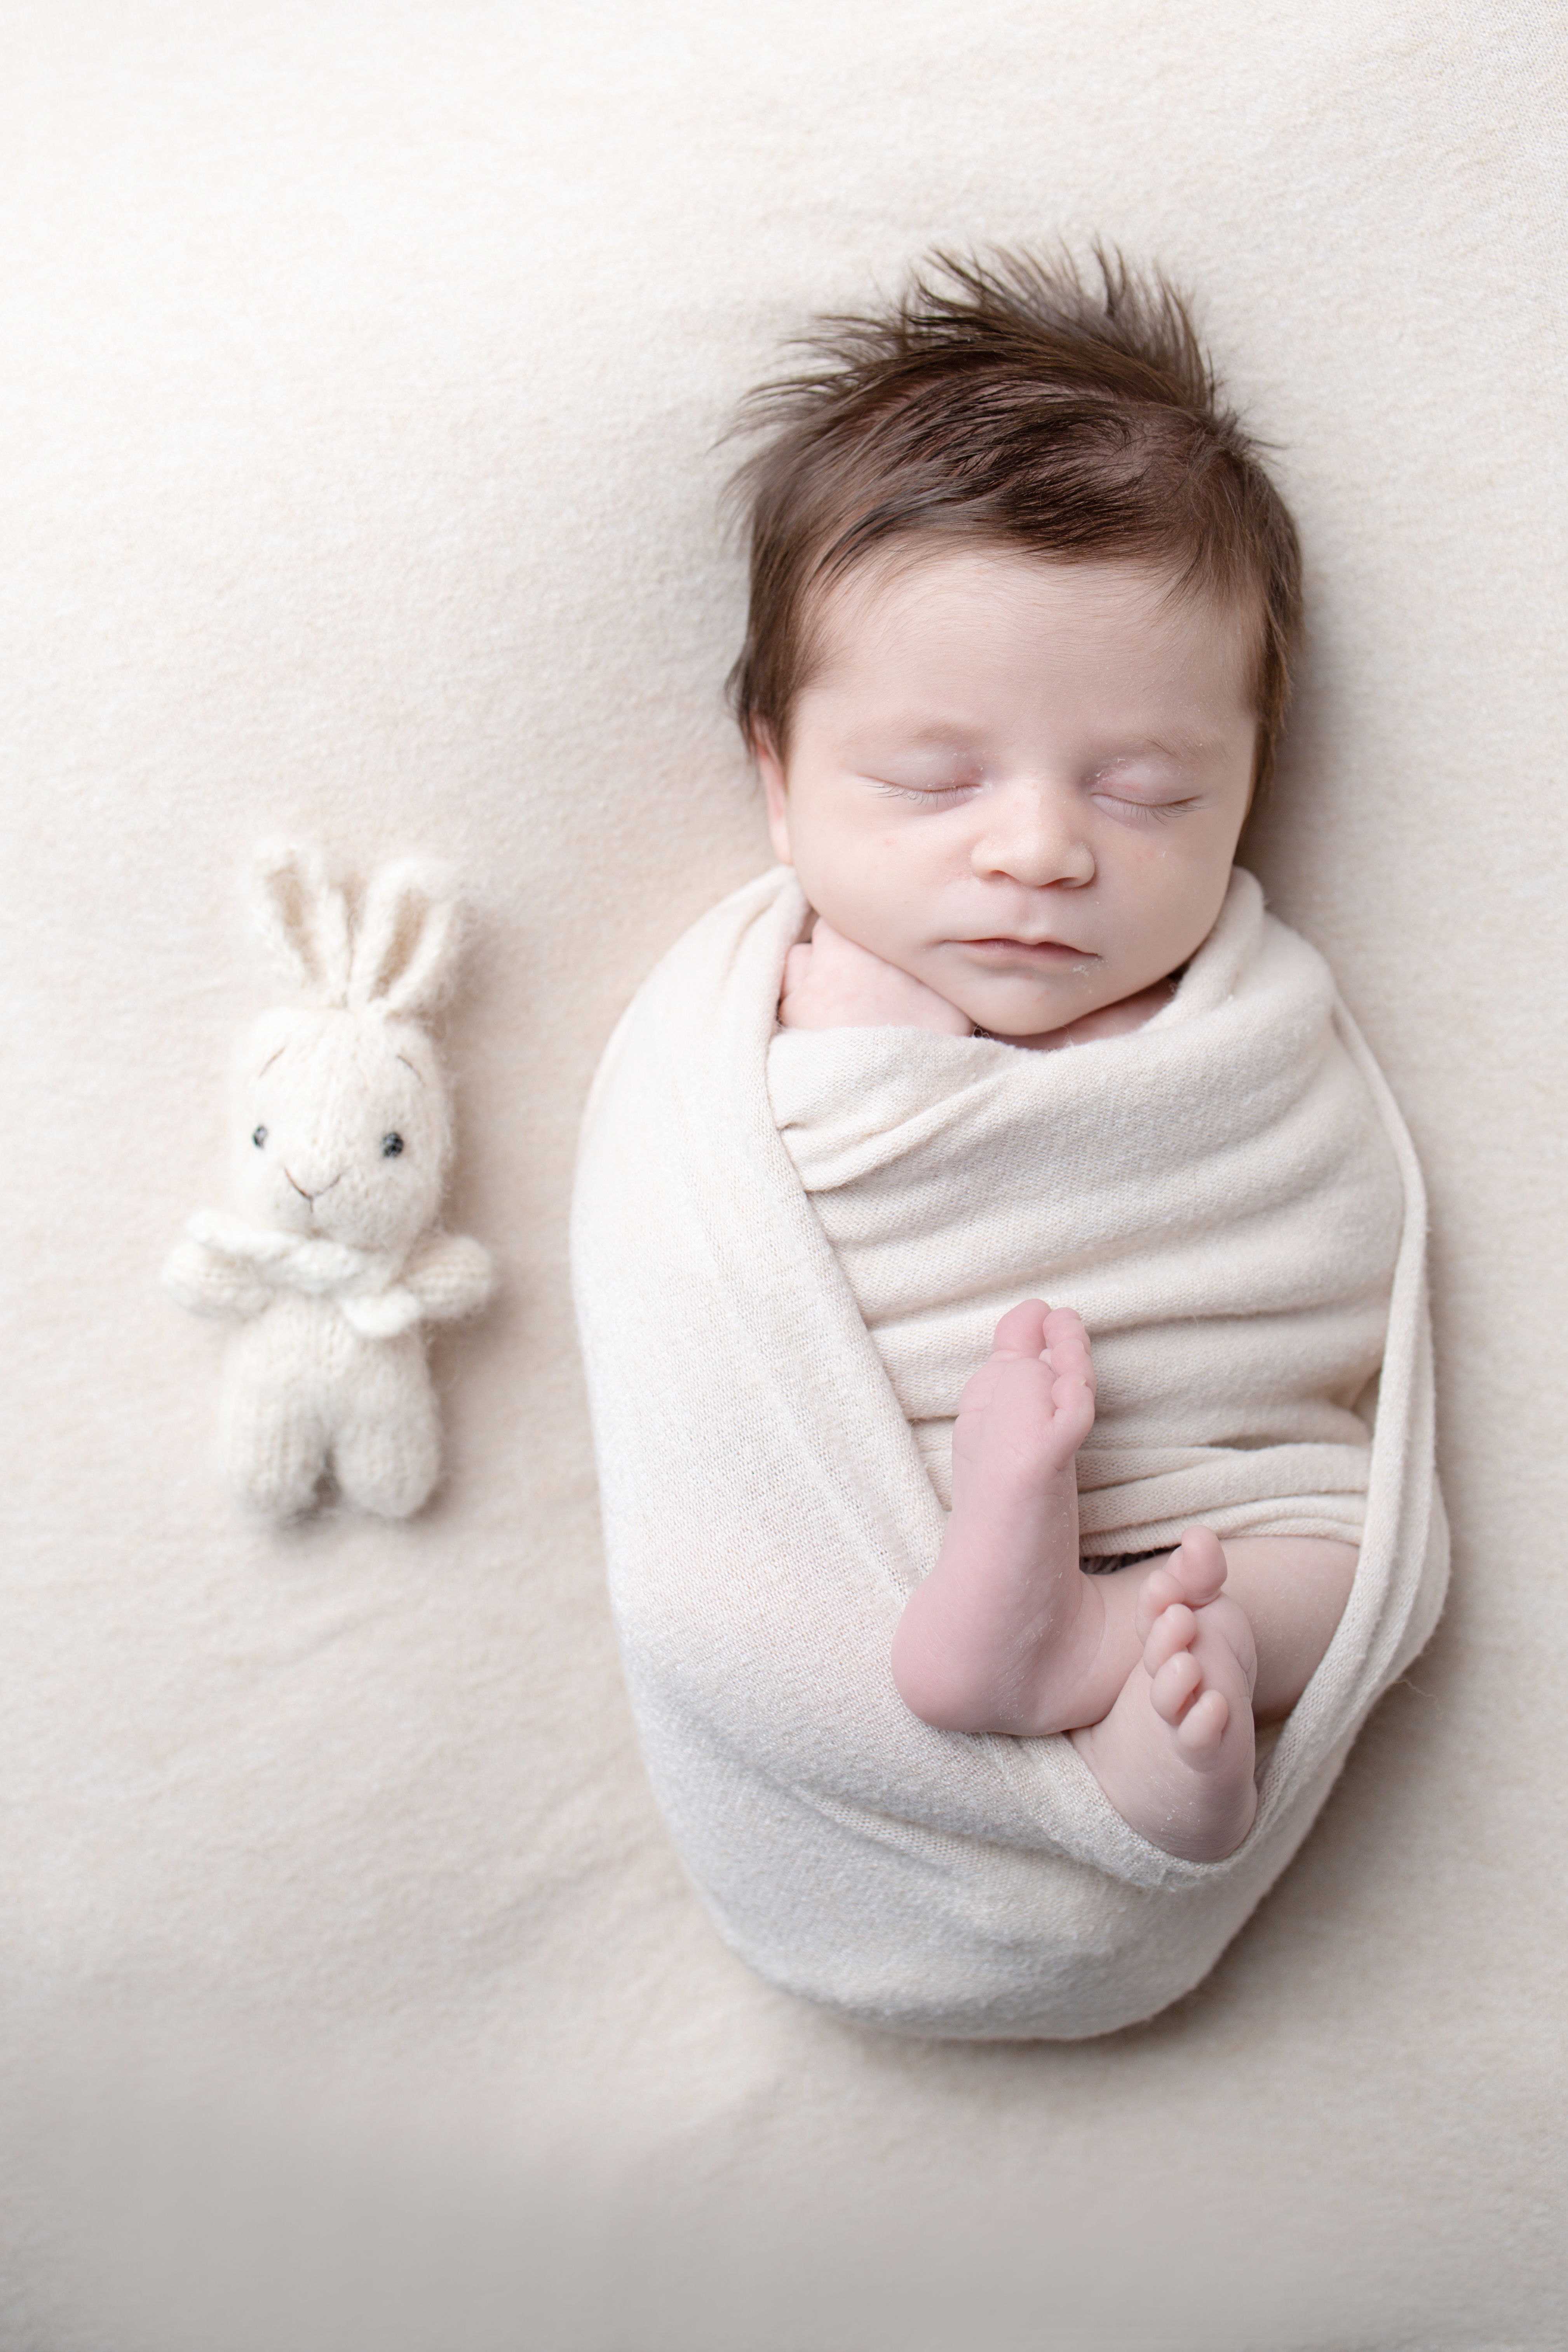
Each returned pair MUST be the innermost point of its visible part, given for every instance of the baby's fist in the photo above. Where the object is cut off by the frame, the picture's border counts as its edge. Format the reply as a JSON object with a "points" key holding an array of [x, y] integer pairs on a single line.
{"points": [[831, 984]]}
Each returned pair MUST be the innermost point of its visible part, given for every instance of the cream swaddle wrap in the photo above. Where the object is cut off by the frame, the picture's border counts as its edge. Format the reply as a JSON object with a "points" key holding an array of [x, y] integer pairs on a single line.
{"points": [[1225, 1195]]}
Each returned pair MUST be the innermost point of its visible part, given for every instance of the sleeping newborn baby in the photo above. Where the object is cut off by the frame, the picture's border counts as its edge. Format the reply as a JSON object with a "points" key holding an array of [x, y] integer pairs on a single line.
{"points": [[998, 1260], [1021, 711]]}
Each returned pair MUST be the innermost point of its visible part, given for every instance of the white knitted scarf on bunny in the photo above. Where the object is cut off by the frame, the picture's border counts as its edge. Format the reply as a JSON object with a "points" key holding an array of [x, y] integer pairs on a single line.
{"points": [[361, 1283], [1213, 1193]]}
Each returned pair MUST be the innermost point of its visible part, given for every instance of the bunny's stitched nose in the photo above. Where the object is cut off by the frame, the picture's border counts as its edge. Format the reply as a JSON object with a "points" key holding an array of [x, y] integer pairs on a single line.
{"points": [[317, 1195]]}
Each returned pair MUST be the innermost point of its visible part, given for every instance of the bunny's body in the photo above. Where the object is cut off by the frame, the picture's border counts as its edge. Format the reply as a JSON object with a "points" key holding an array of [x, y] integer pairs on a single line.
{"points": [[342, 1135], [303, 1392]]}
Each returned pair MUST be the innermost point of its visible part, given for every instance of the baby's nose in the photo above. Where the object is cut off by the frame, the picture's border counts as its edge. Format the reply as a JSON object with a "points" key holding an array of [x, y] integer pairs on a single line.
{"points": [[1033, 836]]}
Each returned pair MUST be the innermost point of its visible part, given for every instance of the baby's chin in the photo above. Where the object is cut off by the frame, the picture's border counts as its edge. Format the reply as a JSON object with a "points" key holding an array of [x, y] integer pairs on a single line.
{"points": [[1095, 1016], [1018, 1014], [1033, 1006]]}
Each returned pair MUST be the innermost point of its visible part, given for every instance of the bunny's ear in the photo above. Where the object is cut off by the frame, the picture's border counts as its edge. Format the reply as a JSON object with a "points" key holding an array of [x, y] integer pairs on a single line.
{"points": [[302, 919], [406, 939]]}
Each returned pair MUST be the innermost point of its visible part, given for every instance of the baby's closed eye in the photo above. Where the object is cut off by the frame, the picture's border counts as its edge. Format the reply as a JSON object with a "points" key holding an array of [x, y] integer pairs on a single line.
{"points": [[913, 788], [1158, 808]]}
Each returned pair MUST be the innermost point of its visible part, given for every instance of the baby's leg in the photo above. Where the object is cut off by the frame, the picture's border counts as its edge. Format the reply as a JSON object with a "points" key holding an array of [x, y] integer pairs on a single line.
{"points": [[1151, 1669], [1176, 1752], [1007, 1633]]}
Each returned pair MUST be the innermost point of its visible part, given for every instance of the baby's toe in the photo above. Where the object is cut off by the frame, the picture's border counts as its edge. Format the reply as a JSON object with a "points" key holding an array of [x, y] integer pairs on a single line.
{"points": [[1021, 1331], [1173, 1630], [1198, 1566], [1204, 1725], [1159, 1591], [1172, 1689], [1066, 1343], [1072, 1409]]}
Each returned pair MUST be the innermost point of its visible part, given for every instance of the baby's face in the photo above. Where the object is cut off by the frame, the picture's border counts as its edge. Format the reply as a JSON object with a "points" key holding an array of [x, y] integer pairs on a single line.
{"points": [[1021, 782]]}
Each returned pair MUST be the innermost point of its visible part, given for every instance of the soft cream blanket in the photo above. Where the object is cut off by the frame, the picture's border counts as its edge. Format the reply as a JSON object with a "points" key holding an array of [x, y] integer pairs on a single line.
{"points": [[776, 1326]]}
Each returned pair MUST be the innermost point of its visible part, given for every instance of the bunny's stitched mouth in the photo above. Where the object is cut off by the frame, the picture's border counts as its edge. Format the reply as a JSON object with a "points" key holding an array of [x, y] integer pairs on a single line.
{"points": [[314, 1197]]}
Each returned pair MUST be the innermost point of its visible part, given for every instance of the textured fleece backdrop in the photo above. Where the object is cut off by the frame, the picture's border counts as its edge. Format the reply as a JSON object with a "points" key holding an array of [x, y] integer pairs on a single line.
{"points": [[363, 366]]}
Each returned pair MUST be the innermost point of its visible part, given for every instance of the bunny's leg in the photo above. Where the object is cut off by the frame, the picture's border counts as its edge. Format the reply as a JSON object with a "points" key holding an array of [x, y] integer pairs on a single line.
{"points": [[273, 1445], [386, 1449]]}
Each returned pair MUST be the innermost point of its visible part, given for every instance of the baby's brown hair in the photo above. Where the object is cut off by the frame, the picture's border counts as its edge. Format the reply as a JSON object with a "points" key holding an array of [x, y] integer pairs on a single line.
{"points": [[1010, 402]]}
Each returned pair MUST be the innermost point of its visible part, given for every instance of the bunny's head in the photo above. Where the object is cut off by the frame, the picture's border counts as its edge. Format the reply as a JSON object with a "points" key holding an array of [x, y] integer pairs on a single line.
{"points": [[341, 1122]]}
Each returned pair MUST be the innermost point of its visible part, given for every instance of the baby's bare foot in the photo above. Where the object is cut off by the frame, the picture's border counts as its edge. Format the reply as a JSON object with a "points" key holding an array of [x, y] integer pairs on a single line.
{"points": [[1176, 1753], [1027, 1410], [1002, 1633]]}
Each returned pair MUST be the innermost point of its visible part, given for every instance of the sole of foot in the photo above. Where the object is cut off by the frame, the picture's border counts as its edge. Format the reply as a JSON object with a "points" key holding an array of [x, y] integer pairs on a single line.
{"points": [[1175, 1754]]}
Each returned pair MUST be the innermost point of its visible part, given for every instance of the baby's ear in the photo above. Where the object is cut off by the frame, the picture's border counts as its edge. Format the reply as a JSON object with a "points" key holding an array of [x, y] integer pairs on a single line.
{"points": [[771, 768], [302, 919], [406, 939]]}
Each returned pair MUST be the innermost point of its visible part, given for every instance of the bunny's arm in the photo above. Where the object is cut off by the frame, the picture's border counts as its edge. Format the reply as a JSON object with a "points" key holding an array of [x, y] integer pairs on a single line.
{"points": [[448, 1275], [207, 1283]]}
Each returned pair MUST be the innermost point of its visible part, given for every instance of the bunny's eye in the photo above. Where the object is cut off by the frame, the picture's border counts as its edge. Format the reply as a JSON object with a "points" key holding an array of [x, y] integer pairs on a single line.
{"points": [[259, 1138], [391, 1145]]}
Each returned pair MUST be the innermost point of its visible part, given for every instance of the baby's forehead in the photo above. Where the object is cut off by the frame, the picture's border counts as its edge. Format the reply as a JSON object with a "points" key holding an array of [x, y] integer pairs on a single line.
{"points": [[924, 573], [988, 609]]}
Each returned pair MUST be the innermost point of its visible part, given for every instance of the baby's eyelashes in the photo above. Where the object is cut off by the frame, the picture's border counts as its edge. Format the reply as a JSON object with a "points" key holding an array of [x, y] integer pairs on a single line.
{"points": [[1131, 805], [1155, 787], [927, 778], [923, 792]]}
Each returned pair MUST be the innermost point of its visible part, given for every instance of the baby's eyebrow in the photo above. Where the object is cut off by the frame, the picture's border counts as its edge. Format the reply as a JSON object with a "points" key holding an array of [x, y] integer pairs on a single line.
{"points": [[408, 1066], [266, 1065], [1167, 747], [932, 736]]}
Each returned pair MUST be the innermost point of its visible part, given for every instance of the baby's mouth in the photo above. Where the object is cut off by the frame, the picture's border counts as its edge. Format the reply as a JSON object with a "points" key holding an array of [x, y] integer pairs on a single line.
{"points": [[1045, 951]]}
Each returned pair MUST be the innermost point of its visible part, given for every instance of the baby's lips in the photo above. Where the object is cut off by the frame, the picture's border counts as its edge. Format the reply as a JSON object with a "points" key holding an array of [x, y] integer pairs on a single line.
{"points": [[1029, 947]]}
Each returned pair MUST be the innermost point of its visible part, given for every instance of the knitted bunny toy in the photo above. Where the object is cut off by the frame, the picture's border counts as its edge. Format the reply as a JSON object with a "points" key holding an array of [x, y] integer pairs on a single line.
{"points": [[343, 1133]]}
